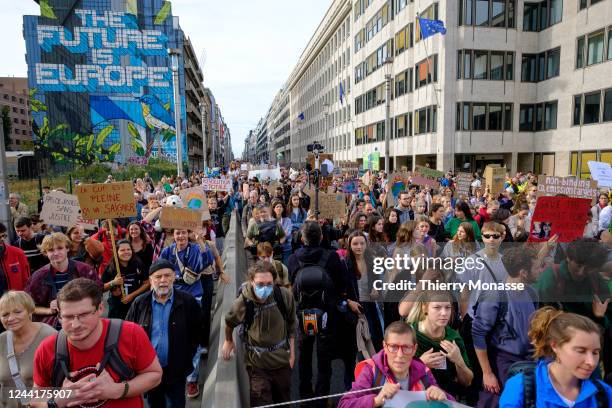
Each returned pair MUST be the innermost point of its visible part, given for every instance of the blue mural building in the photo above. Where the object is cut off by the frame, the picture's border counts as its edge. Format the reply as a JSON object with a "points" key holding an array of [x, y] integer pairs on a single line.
{"points": [[100, 80]]}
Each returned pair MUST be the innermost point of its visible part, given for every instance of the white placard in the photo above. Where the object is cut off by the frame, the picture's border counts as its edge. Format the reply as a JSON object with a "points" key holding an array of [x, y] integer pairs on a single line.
{"points": [[602, 172], [63, 210], [215, 184]]}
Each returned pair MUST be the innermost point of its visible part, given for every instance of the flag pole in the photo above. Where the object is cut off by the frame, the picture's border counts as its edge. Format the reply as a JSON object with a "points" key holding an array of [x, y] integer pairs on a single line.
{"points": [[429, 71]]}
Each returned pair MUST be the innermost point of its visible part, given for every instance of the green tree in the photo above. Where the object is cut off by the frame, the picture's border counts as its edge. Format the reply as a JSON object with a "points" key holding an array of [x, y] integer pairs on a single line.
{"points": [[7, 126]]}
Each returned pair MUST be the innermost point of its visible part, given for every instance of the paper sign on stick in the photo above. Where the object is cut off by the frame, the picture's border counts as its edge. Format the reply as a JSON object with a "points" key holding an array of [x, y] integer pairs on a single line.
{"points": [[563, 216], [602, 172], [180, 218], [215, 184], [63, 210], [195, 199], [108, 200]]}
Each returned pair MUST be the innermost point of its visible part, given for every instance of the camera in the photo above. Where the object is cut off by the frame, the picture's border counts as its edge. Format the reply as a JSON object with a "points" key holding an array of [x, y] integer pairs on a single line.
{"points": [[316, 146]]}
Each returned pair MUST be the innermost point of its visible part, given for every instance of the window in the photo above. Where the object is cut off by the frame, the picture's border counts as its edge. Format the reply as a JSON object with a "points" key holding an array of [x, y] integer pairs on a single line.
{"points": [[487, 13], [530, 17], [610, 42], [403, 125], [577, 109], [552, 63], [507, 116], [479, 115], [595, 48], [430, 13], [495, 116], [467, 124], [480, 64], [425, 120], [540, 67], [607, 106], [482, 13], [539, 16], [528, 68], [467, 64], [509, 66], [587, 3], [423, 72], [498, 12], [550, 115], [476, 116], [580, 53], [526, 118], [591, 108], [541, 116], [497, 65], [483, 64], [556, 12]]}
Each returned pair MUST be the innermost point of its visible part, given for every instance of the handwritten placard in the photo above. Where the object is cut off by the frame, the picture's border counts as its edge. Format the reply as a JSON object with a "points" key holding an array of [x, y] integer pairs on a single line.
{"points": [[109, 200], [569, 186], [216, 184], [181, 218], [331, 205], [63, 210], [563, 216], [464, 183]]}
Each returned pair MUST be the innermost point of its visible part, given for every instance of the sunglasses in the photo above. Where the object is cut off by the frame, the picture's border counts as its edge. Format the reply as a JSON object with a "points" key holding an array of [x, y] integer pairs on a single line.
{"points": [[494, 236]]}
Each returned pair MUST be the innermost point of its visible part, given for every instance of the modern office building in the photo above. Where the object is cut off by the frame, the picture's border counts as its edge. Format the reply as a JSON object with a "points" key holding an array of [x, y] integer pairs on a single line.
{"points": [[195, 95], [280, 129], [14, 99], [523, 84]]}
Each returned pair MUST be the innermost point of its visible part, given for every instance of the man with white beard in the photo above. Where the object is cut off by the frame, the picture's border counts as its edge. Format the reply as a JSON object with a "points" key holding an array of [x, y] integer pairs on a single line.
{"points": [[172, 319]]}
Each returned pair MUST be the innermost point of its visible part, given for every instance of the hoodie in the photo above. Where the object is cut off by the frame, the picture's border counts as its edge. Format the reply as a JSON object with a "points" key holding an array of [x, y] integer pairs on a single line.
{"points": [[416, 375], [482, 217], [268, 328]]}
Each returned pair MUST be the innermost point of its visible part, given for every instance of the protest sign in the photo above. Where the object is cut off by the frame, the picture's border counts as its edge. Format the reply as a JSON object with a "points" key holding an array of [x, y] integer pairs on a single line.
{"points": [[272, 188], [371, 161], [366, 178], [424, 182], [495, 177], [417, 399], [562, 216], [331, 205], [63, 210], [244, 167], [195, 199], [108, 200], [180, 218], [322, 158], [464, 182], [348, 167], [216, 184], [350, 186], [602, 172], [272, 174], [570, 186], [428, 172], [397, 183]]}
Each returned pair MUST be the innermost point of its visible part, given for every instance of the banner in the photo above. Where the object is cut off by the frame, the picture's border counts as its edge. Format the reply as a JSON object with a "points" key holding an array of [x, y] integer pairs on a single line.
{"points": [[195, 199], [424, 182], [570, 186], [108, 200], [464, 183], [272, 174], [217, 184], [601, 172], [562, 216], [63, 210], [428, 172], [180, 218]]}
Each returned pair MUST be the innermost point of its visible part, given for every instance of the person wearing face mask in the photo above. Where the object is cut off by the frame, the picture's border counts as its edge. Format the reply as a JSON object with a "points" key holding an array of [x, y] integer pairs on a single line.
{"points": [[172, 319], [18, 344], [268, 315]]}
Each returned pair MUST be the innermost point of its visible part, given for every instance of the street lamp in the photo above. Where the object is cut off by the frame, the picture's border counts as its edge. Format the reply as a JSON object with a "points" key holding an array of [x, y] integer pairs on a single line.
{"points": [[326, 113], [174, 54], [204, 147], [388, 68]]}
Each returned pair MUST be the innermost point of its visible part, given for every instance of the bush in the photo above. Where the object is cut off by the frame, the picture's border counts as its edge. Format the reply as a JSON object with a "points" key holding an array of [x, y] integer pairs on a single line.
{"points": [[99, 172]]}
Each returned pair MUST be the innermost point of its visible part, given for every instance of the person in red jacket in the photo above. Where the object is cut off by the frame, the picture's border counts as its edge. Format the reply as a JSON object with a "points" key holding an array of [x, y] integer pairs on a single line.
{"points": [[104, 236], [14, 266], [484, 215]]}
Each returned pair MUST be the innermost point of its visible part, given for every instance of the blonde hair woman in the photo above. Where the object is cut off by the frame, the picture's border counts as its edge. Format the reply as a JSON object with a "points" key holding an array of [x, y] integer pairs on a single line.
{"points": [[22, 337]]}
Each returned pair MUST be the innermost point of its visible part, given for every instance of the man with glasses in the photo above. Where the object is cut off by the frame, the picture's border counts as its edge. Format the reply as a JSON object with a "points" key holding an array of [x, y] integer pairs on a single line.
{"points": [[173, 321], [50, 279], [394, 368], [91, 375], [406, 213], [14, 266], [269, 335]]}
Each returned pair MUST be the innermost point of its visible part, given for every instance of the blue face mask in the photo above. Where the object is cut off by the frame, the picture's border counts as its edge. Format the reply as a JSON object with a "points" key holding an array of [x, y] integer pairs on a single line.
{"points": [[263, 292]]}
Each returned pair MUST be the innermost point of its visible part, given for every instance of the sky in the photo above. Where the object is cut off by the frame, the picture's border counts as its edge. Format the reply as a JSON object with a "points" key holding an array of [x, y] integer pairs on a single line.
{"points": [[251, 47]]}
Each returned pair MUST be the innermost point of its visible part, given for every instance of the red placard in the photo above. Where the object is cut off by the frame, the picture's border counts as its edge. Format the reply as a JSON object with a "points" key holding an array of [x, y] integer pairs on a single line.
{"points": [[562, 216]]}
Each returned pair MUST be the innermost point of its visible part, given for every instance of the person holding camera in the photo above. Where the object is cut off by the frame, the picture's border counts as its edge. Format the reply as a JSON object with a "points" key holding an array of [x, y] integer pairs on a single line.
{"points": [[189, 260]]}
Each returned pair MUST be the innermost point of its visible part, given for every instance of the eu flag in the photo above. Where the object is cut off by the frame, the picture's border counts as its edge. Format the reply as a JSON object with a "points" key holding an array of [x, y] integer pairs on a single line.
{"points": [[431, 27]]}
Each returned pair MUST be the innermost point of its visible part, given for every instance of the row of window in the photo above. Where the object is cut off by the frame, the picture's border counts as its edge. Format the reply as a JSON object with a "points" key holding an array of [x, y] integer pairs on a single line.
{"points": [[17, 121], [540, 67], [20, 131], [376, 23], [540, 16], [487, 13], [13, 98], [592, 107], [579, 162], [425, 121], [474, 116], [404, 39], [485, 64], [537, 117], [598, 47], [370, 99], [374, 61], [360, 7], [370, 133]]}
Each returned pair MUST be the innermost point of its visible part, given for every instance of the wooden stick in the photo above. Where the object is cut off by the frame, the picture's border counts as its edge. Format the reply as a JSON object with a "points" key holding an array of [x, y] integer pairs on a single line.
{"points": [[111, 230]]}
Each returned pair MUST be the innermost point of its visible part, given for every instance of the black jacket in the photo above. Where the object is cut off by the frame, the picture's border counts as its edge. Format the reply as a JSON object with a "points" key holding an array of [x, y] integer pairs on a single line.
{"points": [[334, 267], [184, 334]]}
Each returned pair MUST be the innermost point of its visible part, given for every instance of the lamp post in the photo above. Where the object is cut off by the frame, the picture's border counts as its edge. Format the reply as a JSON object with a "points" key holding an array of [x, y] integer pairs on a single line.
{"points": [[388, 67], [5, 211], [326, 113], [204, 147], [174, 54]]}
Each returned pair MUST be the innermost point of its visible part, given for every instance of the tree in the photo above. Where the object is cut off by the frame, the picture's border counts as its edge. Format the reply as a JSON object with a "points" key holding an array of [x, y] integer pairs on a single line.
{"points": [[7, 126]]}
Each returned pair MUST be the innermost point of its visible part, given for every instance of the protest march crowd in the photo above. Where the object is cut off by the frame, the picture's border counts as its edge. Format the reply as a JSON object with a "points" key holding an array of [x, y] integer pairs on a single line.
{"points": [[117, 311]]}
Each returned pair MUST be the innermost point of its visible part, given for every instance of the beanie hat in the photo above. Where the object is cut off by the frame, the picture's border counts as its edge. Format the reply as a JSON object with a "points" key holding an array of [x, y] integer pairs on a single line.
{"points": [[160, 264]]}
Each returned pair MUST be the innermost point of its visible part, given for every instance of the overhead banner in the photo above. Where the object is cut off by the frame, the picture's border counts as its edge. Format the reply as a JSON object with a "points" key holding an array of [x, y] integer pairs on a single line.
{"points": [[108, 200], [63, 210], [562, 216]]}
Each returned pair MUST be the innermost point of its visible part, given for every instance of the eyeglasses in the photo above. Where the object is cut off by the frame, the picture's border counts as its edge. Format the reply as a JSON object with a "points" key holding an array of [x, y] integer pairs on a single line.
{"points": [[394, 348], [489, 236], [80, 317]]}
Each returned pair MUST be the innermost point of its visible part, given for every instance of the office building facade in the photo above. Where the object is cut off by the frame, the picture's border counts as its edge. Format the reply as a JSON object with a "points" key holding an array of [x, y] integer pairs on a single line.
{"points": [[14, 99]]}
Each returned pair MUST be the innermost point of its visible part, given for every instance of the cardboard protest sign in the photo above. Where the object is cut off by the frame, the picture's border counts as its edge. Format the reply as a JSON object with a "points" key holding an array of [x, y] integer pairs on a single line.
{"points": [[195, 199], [397, 183], [424, 182], [180, 218], [570, 186], [331, 205], [108, 200], [495, 177], [216, 184], [428, 172], [562, 216], [464, 183], [272, 188], [350, 186], [602, 172], [63, 210]]}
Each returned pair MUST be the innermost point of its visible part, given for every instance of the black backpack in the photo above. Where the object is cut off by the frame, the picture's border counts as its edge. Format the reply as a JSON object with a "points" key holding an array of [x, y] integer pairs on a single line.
{"points": [[268, 232], [527, 368], [112, 357], [312, 284]]}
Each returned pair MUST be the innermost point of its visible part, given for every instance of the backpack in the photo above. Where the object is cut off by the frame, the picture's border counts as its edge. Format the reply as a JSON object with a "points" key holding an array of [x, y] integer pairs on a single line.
{"points": [[312, 282], [112, 357], [267, 231], [249, 318], [527, 368]]}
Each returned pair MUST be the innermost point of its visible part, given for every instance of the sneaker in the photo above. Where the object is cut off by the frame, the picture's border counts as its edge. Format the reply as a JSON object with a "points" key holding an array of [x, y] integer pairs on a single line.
{"points": [[193, 390]]}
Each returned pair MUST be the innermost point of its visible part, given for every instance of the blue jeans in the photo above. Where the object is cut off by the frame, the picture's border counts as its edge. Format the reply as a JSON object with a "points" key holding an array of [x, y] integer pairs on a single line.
{"points": [[167, 395]]}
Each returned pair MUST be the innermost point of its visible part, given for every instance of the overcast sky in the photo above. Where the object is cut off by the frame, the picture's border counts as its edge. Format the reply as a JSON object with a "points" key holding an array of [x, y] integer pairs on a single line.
{"points": [[251, 47]]}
